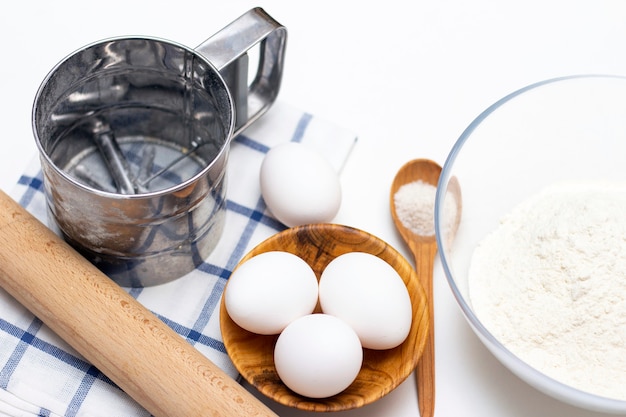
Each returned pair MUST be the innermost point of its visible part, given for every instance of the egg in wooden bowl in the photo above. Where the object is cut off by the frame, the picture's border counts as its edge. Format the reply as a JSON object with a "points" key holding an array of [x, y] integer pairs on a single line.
{"points": [[381, 370]]}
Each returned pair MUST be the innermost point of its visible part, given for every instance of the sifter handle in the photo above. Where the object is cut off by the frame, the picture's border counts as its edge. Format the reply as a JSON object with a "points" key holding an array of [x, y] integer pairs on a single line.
{"points": [[123, 339], [228, 51]]}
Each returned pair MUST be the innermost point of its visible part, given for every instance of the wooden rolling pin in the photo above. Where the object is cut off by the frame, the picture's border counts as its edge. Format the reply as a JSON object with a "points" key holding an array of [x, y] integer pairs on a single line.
{"points": [[123, 339]]}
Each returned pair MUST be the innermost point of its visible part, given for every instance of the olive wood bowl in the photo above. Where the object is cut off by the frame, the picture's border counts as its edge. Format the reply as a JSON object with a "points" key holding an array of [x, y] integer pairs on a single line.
{"points": [[382, 370]]}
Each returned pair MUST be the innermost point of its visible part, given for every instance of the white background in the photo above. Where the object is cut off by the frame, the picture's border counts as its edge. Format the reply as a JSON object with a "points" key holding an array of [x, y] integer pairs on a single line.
{"points": [[407, 77]]}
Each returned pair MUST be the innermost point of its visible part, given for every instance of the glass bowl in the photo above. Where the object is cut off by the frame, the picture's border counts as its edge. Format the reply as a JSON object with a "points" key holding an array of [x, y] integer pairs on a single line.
{"points": [[566, 129]]}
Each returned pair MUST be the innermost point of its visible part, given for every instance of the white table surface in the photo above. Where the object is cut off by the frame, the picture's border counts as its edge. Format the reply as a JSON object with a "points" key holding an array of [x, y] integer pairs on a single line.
{"points": [[408, 77]]}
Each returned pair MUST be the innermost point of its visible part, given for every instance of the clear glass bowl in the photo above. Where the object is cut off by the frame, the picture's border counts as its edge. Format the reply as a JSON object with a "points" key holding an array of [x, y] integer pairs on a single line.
{"points": [[570, 128]]}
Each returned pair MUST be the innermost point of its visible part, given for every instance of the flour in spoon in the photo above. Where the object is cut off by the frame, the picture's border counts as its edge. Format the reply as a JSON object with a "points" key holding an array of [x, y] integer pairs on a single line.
{"points": [[550, 284], [415, 207]]}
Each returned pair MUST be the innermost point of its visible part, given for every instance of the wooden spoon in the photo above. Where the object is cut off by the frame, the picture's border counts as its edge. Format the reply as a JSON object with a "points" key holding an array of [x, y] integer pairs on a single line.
{"points": [[424, 250]]}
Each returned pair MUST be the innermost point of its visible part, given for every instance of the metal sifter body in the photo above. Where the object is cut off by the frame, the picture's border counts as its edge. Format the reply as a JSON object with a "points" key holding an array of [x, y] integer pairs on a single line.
{"points": [[134, 137]]}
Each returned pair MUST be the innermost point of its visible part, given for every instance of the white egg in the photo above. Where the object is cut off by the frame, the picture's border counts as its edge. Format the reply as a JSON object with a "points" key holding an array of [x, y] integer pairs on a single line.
{"points": [[368, 294], [299, 185], [318, 356], [269, 291]]}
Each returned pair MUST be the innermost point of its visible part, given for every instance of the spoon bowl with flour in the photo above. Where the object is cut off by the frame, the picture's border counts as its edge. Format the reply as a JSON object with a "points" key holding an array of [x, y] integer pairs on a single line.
{"points": [[412, 202]]}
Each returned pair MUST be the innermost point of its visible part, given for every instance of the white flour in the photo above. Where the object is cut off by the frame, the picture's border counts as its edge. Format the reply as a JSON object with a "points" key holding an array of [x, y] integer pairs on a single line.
{"points": [[550, 284]]}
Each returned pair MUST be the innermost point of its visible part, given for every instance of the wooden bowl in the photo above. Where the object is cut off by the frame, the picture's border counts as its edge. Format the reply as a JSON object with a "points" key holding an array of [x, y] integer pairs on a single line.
{"points": [[382, 370]]}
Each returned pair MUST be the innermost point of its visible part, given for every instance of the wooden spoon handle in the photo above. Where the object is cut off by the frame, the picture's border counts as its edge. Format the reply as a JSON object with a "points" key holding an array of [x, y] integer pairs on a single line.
{"points": [[124, 340], [424, 254]]}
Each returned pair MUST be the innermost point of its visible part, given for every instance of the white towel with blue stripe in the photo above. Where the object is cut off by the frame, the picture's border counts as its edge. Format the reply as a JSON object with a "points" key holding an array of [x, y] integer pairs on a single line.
{"points": [[40, 375]]}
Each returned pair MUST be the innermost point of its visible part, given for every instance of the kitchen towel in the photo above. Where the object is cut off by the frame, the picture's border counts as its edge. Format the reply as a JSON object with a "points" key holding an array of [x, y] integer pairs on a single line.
{"points": [[40, 375]]}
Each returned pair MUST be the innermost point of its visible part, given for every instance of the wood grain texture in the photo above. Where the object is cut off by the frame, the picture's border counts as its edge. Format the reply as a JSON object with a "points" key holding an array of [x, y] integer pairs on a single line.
{"points": [[123, 339], [424, 250], [382, 370]]}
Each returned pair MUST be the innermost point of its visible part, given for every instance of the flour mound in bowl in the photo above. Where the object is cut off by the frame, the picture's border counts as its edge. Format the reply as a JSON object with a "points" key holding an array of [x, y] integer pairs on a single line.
{"points": [[550, 284]]}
